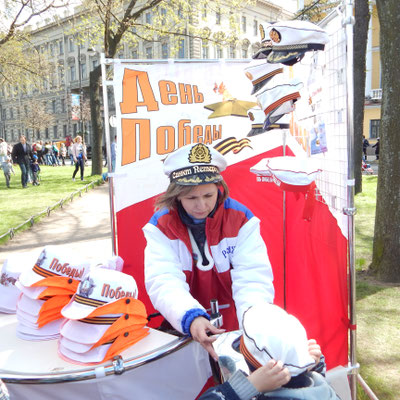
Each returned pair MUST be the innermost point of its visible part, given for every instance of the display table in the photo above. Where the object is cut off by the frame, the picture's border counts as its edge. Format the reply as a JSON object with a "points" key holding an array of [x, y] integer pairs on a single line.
{"points": [[159, 366]]}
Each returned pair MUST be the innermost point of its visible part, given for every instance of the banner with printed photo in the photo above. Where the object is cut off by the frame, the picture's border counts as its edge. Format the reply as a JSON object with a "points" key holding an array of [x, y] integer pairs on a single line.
{"points": [[75, 107]]}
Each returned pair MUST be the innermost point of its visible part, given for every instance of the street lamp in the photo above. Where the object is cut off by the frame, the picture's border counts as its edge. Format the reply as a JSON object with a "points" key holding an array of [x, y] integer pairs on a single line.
{"points": [[80, 90]]}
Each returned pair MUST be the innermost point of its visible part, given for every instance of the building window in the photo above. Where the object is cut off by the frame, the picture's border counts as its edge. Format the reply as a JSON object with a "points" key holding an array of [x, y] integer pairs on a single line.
{"points": [[46, 133], [11, 113], [163, 16], [37, 133], [53, 106], [65, 130], [60, 47], [218, 17], [72, 73], [181, 53], [52, 49], [244, 53], [83, 70], [164, 50], [255, 27], [95, 63], [374, 125], [244, 24], [206, 52], [71, 45], [63, 105], [149, 53], [55, 131], [148, 18], [205, 11], [232, 52], [134, 54], [219, 52]]}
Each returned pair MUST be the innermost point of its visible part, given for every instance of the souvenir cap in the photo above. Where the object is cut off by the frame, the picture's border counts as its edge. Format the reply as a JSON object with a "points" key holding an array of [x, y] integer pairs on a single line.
{"points": [[12, 268], [261, 73], [257, 117], [277, 114], [195, 164], [290, 173], [99, 288], [53, 262], [271, 98], [290, 40], [269, 332]]}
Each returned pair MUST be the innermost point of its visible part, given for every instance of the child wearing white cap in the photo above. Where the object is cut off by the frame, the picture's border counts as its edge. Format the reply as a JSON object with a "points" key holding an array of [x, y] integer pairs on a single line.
{"points": [[203, 245], [282, 362]]}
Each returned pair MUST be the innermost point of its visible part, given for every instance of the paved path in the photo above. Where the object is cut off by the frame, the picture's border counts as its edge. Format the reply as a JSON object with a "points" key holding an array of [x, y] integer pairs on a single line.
{"points": [[82, 225]]}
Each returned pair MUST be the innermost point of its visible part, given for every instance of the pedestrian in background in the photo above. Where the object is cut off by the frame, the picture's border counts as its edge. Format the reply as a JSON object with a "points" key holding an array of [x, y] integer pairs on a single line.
{"points": [[113, 153], [35, 171], [63, 153], [79, 154], [22, 155], [376, 145], [365, 144], [7, 170]]}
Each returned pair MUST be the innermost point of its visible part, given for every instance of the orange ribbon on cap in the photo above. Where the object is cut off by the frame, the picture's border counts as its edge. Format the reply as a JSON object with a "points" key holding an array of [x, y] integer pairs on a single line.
{"points": [[60, 282], [125, 340], [126, 305], [125, 322], [248, 356]]}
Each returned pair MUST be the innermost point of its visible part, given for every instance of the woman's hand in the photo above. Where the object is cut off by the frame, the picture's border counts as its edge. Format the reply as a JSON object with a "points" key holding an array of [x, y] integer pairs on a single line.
{"points": [[199, 329], [270, 376], [314, 349]]}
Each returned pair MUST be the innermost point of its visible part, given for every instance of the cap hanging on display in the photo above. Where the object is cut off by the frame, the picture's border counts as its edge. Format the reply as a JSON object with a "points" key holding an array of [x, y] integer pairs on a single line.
{"points": [[256, 116], [261, 73], [269, 332], [195, 164], [283, 95], [286, 42]]}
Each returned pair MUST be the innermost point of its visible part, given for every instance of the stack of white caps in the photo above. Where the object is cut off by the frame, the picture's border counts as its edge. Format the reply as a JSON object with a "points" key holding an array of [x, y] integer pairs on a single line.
{"points": [[12, 268], [46, 289], [278, 100], [261, 72], [103, 318]]}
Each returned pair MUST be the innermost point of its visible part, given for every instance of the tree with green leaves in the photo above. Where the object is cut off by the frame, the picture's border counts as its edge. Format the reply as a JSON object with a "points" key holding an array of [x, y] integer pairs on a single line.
{"points": [[117, 22], [386, 247], [35, 116], [21, 64]]}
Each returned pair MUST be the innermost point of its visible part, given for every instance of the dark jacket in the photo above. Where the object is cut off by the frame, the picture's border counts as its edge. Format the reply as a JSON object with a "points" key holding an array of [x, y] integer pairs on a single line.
{"points": [[20, 156]]}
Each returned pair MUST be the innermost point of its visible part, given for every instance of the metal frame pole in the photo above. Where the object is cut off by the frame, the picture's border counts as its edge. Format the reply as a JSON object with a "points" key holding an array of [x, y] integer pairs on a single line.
{"points": [[350, 211], [105, 83]]}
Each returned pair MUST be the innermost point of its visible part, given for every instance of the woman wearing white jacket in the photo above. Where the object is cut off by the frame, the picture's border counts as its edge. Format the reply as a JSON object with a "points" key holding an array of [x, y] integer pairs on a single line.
{"points": [[203, 245]]}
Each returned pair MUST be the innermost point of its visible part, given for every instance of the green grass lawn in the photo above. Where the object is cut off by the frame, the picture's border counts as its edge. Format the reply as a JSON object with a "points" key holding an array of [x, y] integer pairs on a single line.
{"points": [[378, 304], [17, 204]]}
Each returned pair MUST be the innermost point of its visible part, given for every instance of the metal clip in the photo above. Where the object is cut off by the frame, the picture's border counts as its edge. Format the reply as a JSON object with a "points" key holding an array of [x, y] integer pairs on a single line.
{"points": [[216, 317], [118, 364]]}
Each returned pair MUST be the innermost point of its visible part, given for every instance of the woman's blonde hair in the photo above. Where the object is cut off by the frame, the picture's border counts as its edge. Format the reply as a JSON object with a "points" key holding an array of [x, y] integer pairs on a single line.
{"points": [[169, 199], [76, 138]]}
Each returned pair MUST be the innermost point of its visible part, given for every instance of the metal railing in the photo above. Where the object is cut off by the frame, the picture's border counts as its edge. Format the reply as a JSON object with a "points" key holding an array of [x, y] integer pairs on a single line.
{"points": [[34, 218]]}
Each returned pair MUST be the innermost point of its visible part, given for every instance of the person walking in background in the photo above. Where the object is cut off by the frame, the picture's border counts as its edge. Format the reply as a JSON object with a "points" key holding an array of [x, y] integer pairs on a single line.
{"points": [[7, 170], [376, 145], [69, 152], [365, 144], [79, 155], [63, 153], [22, 154], [39, 152], [35, 168]]}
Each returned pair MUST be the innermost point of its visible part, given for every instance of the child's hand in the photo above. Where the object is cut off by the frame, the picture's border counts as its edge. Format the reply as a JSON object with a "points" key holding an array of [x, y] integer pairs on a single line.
{"points": [[269, 377], [314, 350]]}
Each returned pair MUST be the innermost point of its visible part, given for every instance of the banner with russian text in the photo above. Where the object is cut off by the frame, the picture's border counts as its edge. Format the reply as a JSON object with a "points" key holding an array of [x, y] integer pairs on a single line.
{"points": [[163, 106]]}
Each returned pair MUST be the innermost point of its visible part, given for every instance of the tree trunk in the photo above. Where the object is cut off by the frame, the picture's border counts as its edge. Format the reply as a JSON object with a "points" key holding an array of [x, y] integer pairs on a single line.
{"points": [[96, 118], [386, 248], [360, 39]]}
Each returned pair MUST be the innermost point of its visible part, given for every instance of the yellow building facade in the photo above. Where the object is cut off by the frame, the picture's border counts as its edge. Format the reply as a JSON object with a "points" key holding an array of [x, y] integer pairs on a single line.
{"points": [[373, 87]]}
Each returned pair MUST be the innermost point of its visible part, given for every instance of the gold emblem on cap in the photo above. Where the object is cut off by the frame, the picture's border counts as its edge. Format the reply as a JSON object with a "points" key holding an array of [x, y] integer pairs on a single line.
{"points": [[200, 154], [251, 116], [275, 35], [249, 75], [262, 32]]}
